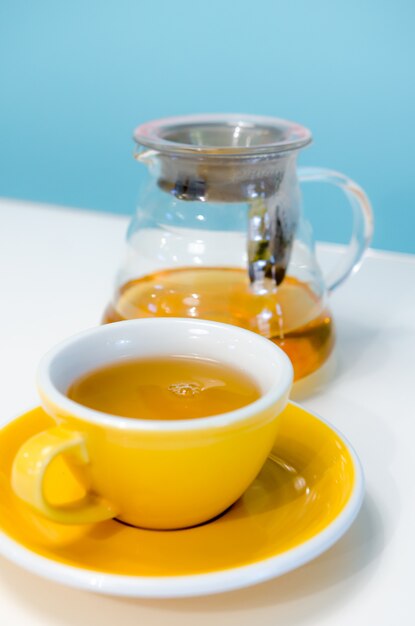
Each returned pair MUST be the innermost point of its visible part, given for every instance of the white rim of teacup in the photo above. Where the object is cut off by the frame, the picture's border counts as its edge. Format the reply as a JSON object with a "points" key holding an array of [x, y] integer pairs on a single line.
{"points": [[276, 358]]}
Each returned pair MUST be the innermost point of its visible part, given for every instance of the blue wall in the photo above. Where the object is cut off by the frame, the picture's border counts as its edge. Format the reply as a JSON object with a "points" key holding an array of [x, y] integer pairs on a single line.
{"points": [[76, 77]]}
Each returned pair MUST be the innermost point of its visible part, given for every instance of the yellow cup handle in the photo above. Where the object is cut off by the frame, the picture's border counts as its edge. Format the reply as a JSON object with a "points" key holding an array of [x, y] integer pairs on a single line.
{"points": [[29, 468]]}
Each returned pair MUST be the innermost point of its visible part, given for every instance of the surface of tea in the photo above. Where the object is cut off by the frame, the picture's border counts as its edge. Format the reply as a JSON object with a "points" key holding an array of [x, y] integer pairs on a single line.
{"points": [[293, 316], [165, 388]]}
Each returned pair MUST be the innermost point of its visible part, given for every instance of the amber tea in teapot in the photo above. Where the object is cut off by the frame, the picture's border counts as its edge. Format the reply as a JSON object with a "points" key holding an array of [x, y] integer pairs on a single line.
{"points": [[291, 317], [219, 235]]}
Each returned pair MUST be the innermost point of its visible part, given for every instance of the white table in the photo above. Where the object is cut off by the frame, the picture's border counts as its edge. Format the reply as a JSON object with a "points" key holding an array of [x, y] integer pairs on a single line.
{"points": [[56, 270]]}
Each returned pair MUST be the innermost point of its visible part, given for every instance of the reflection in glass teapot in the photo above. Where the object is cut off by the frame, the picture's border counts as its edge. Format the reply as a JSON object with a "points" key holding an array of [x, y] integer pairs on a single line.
{"points": [[218, 233]]}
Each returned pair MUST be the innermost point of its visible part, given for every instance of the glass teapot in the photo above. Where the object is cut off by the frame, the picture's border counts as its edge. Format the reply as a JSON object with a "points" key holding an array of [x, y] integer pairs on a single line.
{"points": [[218, 233]]}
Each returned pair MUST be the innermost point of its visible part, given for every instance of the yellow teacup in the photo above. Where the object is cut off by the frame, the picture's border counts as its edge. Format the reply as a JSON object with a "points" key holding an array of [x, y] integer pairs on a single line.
{"points": [[150, 473]]}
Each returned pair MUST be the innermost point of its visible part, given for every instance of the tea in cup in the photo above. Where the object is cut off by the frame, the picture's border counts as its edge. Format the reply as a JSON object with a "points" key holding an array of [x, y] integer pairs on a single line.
{"points": [[165, 421]]}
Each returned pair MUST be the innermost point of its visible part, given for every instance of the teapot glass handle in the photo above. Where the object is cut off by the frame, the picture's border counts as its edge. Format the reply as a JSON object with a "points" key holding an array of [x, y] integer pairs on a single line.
{"points": [[362, 220]]}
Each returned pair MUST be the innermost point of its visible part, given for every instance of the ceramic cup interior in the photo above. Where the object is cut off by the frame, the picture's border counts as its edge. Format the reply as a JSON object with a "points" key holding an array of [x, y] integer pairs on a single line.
{"points": [[261, 360]]}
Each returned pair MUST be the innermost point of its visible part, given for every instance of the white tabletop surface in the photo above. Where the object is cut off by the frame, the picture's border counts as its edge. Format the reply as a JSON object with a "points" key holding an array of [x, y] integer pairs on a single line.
{"points": [[56, 272]]}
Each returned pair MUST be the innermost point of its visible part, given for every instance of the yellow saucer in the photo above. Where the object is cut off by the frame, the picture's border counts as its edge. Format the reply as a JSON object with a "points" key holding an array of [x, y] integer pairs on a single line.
{"points": [[304, 499]]}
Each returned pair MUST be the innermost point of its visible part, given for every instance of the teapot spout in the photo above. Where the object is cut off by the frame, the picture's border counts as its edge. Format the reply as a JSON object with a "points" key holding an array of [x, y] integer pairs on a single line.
{"points": [[145, 156]]}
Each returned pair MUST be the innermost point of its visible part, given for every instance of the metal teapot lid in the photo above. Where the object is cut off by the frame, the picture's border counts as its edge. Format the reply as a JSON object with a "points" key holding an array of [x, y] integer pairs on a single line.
{"points": [[221, 135], [221, 158]]}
